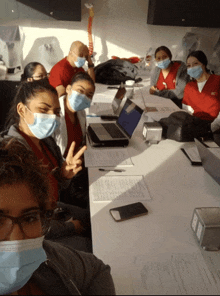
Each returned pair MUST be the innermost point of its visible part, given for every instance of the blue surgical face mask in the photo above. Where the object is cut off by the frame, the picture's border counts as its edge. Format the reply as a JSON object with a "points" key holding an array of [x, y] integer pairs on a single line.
{"points": [[164, 63], [19, 260], [79, 101], [195, 72], [80, 62], [44, 124]]}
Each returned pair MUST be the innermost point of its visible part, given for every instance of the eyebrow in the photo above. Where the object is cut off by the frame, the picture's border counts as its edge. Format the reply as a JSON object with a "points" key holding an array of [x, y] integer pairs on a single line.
{"points": [[24, 211], [81, 87], [29, 209], [58, 108], [45, 104], [91, 92]]}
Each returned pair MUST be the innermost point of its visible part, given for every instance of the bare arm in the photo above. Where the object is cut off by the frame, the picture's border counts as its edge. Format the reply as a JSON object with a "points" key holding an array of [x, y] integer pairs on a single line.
{"points": [[61, 90]]}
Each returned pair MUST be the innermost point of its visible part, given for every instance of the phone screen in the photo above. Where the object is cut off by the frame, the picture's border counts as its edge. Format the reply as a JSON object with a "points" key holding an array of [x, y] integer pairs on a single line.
{"points": [[129, 211]]}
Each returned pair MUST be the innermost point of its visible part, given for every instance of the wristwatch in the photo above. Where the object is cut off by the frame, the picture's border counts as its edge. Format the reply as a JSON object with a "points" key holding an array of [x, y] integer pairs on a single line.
{"points": [[91, 65]]}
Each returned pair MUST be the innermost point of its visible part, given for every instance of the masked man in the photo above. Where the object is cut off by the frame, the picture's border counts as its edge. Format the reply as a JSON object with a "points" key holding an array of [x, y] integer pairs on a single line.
{"points": [[62, 73]]}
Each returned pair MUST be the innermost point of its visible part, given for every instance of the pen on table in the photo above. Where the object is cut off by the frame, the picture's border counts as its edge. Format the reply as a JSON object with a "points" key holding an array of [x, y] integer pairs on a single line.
{"points": [[114, 170]]}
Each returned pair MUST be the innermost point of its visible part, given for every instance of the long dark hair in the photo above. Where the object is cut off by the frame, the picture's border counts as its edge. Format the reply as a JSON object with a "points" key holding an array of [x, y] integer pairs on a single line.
{"points": [[29, 70], [26, 92], [164, 48]]}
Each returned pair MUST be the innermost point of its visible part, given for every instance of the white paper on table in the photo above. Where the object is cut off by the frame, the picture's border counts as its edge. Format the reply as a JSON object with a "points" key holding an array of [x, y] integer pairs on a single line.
{"points": [[126, 188], [103, 94], [181, 274], [107, 158]]}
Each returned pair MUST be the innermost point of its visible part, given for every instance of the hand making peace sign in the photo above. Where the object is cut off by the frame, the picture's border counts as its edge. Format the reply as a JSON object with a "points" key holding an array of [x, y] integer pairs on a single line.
{"points": [[73, 163]]}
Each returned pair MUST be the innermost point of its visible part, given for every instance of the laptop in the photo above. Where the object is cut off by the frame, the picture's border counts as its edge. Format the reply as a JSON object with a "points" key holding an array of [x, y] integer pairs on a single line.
{"points": [[116, 134], [210, 157], [108, 108]]}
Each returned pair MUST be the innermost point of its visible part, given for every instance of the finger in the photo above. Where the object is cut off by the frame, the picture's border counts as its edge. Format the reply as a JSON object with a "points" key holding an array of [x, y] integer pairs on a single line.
{"points": [[80, 152], [73, 165], [77, 170], [74, 170], [71, 151]]}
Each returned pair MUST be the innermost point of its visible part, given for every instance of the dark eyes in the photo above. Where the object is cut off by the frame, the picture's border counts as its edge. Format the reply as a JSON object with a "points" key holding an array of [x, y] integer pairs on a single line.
{"points": [[194, 64], [161, 58], [35, 217], [42, 110]]}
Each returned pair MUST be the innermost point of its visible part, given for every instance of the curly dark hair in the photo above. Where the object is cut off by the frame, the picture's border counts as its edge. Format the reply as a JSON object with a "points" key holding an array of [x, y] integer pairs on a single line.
{"points": [[18, 164]]}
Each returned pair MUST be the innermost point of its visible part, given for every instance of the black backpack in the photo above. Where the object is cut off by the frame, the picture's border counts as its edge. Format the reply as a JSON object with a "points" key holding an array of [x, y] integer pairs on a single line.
{"points": [[115, 71], [183, 127]]}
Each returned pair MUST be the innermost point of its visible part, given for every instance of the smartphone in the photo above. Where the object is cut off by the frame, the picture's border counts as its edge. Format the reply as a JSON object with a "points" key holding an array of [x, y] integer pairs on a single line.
{"points": [[129, 211]]}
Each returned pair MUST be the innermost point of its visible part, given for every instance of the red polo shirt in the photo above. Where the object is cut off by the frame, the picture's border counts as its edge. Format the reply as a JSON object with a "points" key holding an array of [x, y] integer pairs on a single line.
{"points": [[206, 104], [62, 73], [170, 81]]}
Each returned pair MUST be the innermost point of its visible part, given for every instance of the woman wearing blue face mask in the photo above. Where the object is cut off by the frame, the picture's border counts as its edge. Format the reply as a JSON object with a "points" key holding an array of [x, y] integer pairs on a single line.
{"points": [[202, 94], [29, 264], [33, 118], [169, 77], [72, 127]]}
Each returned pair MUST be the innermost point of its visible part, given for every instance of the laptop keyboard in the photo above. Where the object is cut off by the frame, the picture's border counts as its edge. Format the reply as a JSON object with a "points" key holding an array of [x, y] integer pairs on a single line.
{"points": [[113, 130]]}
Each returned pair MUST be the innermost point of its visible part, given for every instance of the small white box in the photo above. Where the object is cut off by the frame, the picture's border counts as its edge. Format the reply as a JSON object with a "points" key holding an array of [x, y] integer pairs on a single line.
{"points": [[206, 227], [152, 132]]}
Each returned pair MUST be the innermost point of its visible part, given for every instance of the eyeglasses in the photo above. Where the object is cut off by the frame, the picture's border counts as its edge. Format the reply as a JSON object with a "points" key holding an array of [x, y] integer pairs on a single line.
{"points": [[39, 77], [32, 224]]}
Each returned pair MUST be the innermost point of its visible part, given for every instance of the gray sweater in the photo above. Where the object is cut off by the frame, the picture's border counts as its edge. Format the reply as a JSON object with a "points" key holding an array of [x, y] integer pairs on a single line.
{"points": [[181, 80], [70, 272]]}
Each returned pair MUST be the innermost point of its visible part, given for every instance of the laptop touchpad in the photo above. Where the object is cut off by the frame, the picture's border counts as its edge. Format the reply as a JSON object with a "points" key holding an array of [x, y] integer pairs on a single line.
{"points": [[101, 132]]}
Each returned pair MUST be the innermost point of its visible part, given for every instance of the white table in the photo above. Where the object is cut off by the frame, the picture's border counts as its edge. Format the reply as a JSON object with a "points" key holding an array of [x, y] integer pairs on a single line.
{"points": [[158, 253]]}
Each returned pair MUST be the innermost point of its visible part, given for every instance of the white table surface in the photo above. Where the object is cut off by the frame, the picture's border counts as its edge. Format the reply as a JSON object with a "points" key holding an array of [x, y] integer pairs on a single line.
{"points": [[137, 248]]}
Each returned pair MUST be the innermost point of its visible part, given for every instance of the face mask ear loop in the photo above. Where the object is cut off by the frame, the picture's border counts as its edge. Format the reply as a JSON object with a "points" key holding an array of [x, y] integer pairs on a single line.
{"points": [[24, 118]]}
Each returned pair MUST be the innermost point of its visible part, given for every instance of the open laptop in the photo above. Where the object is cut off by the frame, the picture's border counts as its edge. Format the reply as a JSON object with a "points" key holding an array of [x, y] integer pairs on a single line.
{"points": [[210, 157], [116, 134], [108, 108]]}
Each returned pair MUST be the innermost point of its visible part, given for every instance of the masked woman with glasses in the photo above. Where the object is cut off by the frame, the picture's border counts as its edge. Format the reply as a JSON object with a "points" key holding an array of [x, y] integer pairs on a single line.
{"points": [[34, 71], [29, 264], [169, 78], [33, 118], [202, 94]]}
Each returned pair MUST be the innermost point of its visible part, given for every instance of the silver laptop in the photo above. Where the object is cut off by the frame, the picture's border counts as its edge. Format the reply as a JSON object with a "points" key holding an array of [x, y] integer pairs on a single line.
{"points": [[124, 127], [210, 157], [109, 108]]}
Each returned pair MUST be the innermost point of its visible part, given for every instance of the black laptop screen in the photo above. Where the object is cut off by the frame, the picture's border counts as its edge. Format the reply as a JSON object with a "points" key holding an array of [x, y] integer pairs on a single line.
{"points": [[129, 117]]}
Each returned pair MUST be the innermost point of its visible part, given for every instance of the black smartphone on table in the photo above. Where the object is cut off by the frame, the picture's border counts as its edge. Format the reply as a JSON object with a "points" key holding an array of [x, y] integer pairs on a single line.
{"points": [[128, 211]]}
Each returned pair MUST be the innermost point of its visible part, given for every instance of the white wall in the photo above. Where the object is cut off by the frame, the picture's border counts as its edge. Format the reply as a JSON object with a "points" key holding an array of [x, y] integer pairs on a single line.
{"points": [[119, 28]]}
